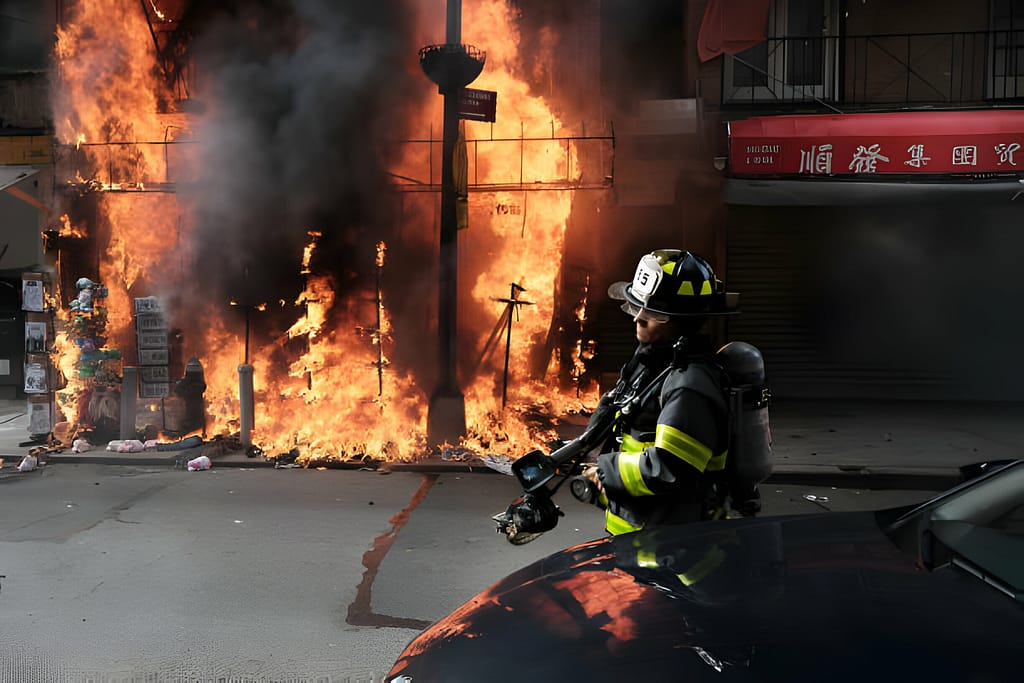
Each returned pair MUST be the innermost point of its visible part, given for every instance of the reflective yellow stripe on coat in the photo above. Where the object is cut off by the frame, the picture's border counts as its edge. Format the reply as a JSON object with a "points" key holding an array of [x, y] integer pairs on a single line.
{"points": [[683, 446], [717, 463], [632, 478], [616, 525]]}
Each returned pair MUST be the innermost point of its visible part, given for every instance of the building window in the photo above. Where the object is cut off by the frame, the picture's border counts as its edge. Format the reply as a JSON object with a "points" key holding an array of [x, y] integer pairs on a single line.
{"points": [[1006, 57], [796, 63]]}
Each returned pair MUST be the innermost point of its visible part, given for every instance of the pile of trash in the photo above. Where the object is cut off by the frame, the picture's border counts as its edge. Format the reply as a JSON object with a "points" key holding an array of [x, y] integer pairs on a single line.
{"points": [[137, 446], [28, 463]]}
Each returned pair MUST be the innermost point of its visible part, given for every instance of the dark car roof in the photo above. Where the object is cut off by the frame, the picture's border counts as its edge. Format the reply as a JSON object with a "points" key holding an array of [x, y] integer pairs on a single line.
{"points": [[821, 597]]}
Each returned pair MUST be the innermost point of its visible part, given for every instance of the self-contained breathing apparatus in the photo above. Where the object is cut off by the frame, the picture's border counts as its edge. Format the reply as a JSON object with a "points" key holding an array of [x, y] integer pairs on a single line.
{"points": [[741, 384]]}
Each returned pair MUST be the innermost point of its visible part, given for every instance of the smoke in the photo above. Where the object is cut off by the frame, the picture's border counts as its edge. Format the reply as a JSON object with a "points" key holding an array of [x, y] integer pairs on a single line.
{"points": [[301, 100], [641, 50], [24, 30]]}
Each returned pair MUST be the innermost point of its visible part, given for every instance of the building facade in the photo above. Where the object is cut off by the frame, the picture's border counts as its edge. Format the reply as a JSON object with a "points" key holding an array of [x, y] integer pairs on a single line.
{"points": [[872, 168]]}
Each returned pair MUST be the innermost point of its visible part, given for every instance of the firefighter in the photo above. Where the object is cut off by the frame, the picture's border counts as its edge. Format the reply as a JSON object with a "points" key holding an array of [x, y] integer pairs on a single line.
{"points": [[664, 463]]}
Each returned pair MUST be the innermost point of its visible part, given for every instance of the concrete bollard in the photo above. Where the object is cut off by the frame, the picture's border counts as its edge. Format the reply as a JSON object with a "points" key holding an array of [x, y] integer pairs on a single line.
{"points": [[129, 401], [247, 408]]}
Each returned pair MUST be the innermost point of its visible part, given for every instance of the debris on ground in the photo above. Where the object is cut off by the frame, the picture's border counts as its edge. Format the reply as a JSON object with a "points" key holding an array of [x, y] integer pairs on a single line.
{"points": [[220, 445], [81, 446], [187, 442], [286, 460], [42, 451], [200, 463], [498, 463], [126, 446], [457, 454], [28, 463]]}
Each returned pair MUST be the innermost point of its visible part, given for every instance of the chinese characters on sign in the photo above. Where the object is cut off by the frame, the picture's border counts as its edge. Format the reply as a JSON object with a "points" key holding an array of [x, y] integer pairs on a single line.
{"points": [[766, 147], [817, 159], [1006, 153], [865, 159], [917, 158]]}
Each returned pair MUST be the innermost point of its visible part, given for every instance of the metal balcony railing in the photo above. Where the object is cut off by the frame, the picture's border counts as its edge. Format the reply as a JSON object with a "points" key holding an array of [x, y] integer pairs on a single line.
{"points": [[956, 69]]}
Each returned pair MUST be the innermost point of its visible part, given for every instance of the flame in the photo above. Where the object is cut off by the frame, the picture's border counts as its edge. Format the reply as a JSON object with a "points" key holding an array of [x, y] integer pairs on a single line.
{"points": [[156, 10], [325, 385], [69, 230]]}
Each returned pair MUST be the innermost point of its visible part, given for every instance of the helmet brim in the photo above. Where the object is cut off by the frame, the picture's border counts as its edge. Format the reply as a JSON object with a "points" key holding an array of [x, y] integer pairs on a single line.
{"points": [[621, 291]]}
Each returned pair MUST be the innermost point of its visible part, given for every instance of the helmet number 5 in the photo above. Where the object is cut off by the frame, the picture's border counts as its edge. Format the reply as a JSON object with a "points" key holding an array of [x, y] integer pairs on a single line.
{"points": [[647, 277]]}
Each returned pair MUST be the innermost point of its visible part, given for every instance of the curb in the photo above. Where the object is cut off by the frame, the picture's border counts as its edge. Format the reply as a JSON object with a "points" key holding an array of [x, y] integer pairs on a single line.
{"points": [[846, 477], [878, 478], [15, 475]]}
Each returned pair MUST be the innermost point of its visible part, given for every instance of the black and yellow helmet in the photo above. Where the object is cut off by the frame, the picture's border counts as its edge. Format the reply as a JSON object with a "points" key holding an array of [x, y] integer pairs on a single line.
{"points": [[672, 283]]}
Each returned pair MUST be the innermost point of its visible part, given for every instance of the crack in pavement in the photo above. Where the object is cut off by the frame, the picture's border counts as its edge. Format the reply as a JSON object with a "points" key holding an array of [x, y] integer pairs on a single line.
{"points": [[360, 612]]}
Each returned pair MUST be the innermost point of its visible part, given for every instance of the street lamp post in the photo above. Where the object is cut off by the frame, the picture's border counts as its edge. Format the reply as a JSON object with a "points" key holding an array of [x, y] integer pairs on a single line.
{"points": [[452, 66]]}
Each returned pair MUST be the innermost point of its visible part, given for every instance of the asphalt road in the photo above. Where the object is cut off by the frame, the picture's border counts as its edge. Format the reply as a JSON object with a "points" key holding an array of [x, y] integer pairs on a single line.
{"points": [[133, 573]]}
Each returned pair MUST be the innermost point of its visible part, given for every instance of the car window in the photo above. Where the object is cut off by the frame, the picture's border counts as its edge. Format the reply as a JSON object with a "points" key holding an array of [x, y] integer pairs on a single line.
{"points": [[992, 499], [1012, 522], [981, 528]]}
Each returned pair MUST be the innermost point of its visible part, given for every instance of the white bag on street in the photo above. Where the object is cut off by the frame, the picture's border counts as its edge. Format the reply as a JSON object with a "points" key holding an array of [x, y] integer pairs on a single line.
{"points": [[200, 463]]}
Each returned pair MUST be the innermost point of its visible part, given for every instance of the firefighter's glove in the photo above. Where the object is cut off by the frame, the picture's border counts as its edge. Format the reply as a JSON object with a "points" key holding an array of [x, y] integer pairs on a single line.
{"points": [[597, 495]]}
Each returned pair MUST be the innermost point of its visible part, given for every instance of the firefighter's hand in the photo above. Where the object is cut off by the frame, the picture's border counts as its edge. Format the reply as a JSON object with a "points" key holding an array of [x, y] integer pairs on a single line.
{"points": [[591, 473]]}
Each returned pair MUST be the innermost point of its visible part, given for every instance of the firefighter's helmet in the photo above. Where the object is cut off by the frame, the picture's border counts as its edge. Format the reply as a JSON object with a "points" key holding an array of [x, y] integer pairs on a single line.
{"points": [[672, 283]]}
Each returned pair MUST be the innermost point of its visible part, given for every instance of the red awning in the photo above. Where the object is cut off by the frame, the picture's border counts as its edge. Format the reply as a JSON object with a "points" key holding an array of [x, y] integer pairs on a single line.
{"points": [[868, 145], [732, 26]]}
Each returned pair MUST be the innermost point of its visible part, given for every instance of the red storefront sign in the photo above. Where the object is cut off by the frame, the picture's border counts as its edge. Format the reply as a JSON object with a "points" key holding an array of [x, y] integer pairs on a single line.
{"points": [[948, 142], [478, 105]]}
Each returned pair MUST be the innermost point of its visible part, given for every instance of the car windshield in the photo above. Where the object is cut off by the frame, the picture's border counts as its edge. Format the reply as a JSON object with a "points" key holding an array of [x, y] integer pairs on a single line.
{"points": [[978, 527]]}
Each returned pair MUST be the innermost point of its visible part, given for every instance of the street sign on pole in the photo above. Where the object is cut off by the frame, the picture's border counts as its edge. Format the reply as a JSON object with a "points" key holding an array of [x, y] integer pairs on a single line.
{"points": [[478, 105]]}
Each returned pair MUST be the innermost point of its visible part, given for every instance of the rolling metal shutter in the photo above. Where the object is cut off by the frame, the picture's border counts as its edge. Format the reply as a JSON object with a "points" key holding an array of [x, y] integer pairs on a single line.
{"points": [[776, 260]]}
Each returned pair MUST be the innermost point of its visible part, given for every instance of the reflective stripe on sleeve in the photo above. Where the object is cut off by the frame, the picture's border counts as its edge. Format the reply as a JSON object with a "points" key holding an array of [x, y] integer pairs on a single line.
{"points": [[629, 472], [647, 559], [631, 445], [616, 525], [683, 446], [717, 463], [707, 564]]}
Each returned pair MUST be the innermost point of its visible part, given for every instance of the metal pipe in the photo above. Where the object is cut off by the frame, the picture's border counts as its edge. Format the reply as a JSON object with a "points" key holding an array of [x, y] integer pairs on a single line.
{"points": [[513, 295], [380, 333], [453, 23], [512, 308], [248, 310]]}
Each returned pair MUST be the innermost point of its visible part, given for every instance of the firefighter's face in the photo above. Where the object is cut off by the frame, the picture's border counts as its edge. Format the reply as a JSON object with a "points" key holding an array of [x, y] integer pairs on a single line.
{"points": [[655, 331]]}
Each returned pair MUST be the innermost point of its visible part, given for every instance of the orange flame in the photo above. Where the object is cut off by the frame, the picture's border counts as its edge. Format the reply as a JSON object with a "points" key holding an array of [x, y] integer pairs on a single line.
{"points": [[339, 395]]}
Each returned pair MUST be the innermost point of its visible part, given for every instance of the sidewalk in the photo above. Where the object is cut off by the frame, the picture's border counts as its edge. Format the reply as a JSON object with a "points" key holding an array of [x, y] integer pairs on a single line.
{"points": [[829, 443]]}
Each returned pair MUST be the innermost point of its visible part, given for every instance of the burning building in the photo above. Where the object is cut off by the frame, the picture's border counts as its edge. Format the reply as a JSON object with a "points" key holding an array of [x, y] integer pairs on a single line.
{"points": [[263, 181]]}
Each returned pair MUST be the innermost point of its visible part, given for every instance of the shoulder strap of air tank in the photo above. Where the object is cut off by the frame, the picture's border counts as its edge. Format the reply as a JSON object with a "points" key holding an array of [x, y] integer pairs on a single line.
{"points": [[702, 374]]}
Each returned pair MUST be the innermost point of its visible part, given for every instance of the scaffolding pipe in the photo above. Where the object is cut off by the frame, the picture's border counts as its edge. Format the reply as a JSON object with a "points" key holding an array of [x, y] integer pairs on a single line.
{"points": [[512, 308], [381, 248]]}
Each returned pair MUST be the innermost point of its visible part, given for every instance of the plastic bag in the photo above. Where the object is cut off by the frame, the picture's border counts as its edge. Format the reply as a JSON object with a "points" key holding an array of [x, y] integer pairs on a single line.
{"points": [[200, 463], [28, 463]]}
